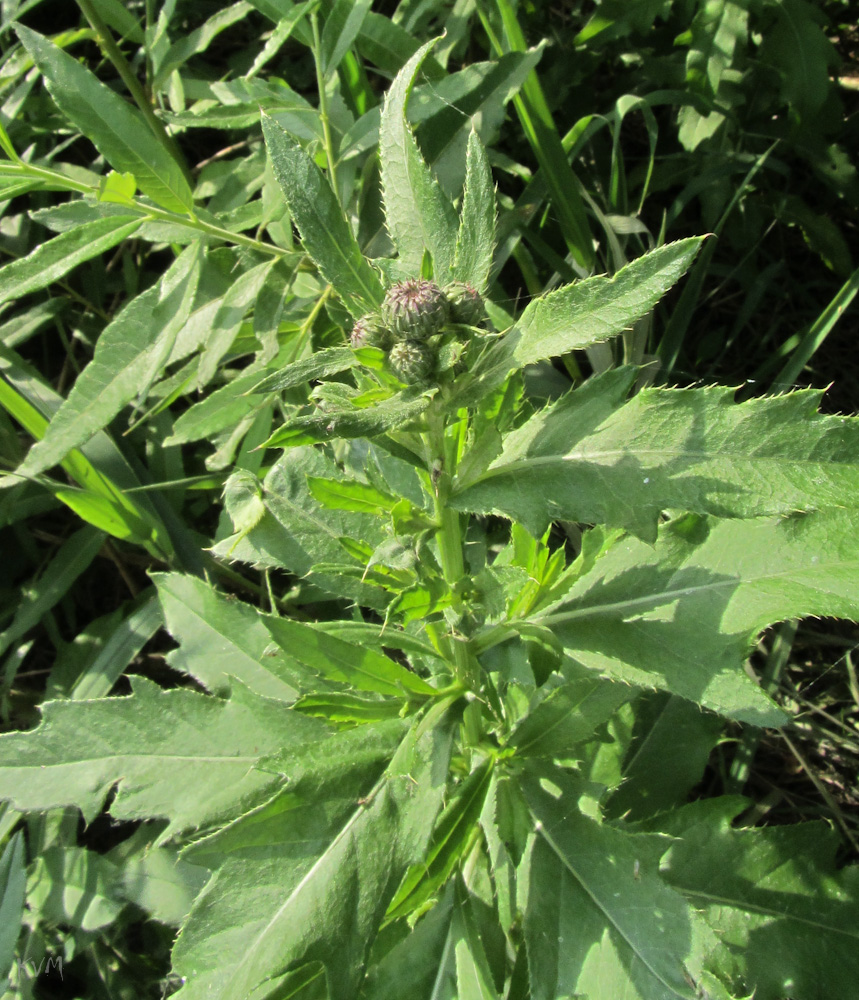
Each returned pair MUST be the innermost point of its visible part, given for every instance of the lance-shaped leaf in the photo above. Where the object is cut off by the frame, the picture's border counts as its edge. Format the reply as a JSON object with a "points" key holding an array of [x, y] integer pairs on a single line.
{"points": [[593, 457], [331, 361], [175, 754], [476, 240], [13, 883], [54, 259], [308, 877], [339, 660], [418, 213], [325, 233], [682, 615], [787, 919], [117, 130], [124, 357], [592, 928], [581, 314]]}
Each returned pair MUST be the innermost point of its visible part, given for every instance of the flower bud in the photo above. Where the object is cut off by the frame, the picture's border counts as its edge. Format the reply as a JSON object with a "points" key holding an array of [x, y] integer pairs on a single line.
{"points": [[370, 331], [415, 309], [412, 361], [466, 303]]}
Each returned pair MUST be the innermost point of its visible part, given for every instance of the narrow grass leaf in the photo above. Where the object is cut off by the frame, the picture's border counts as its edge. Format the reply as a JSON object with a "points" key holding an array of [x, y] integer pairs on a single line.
{"points": [[53, 260], [117, 130], [325, 233]]}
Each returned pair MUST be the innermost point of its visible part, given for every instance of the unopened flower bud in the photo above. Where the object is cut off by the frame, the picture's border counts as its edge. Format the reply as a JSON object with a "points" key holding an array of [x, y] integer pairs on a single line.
{"points": [[415, 309], [466, 303], [370, 331], [411, 361]]}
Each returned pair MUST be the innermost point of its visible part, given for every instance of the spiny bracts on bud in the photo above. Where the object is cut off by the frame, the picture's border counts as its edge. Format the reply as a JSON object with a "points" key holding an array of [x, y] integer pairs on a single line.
{"points": [[412, 361], [415, 309], [466, 303], [370, 331]]}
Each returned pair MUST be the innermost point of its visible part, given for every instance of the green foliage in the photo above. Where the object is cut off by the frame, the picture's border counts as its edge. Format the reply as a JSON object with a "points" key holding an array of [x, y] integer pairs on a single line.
{"points": [[431, 639]]}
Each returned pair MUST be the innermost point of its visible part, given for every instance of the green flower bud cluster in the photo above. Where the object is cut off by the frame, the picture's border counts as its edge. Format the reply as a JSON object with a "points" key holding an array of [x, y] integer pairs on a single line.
{"points": [[414, 316]]}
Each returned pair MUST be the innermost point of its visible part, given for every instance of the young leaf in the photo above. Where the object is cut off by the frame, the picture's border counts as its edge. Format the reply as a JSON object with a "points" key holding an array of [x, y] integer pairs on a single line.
{"points": [[419, 215], [325, 233], [175, 754], [342, 661], [682, 615], [350, 494], [476, 240], [592, 457], [54, 259], [583, 313], [117, 130]]}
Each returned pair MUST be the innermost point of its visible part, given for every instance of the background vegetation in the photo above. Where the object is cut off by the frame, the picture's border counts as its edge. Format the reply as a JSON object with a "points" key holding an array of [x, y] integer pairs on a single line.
{"points": [[611, 128]]}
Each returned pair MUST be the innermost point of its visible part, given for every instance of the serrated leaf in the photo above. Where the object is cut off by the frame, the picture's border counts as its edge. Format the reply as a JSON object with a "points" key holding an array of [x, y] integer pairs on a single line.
{"points": [[55, 258], [123, 360], [594, 458], [349, 494], [682, 615], [175, 754], [221, 638], [583, 313], [787, 919], [370, 421], [585, 928], [117, 130], [330, 361], [475, 242], [341, 661], [325, 233], [320, 895], [418, 213]]}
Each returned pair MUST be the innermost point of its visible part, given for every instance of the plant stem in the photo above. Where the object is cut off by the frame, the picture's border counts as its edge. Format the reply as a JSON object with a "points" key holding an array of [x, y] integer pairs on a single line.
{"points": [[114, 54], [323, 108]]}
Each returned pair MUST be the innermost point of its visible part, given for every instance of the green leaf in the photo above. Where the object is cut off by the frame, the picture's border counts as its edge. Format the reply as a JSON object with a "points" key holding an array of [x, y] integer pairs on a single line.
{"points": [[324, 231], [54, 259], [584, 313], [345, 708], [349, 494], [342, 661], [222, 638], [73, 557], [476, 240], [419, 215], [594, 458], [786, 917], [370, 421], [194, 42], [76, 887], [342, 27], [567, 716], [330, 361], [117, 130], [314, 889], [682, 615], [296, 533], [585, 924], [123, 360], [13, 881], [175, 754]]}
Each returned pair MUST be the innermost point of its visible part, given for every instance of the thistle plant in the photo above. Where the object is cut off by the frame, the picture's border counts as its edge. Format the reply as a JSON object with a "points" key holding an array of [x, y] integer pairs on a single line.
{"points": [[455, 756]]}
